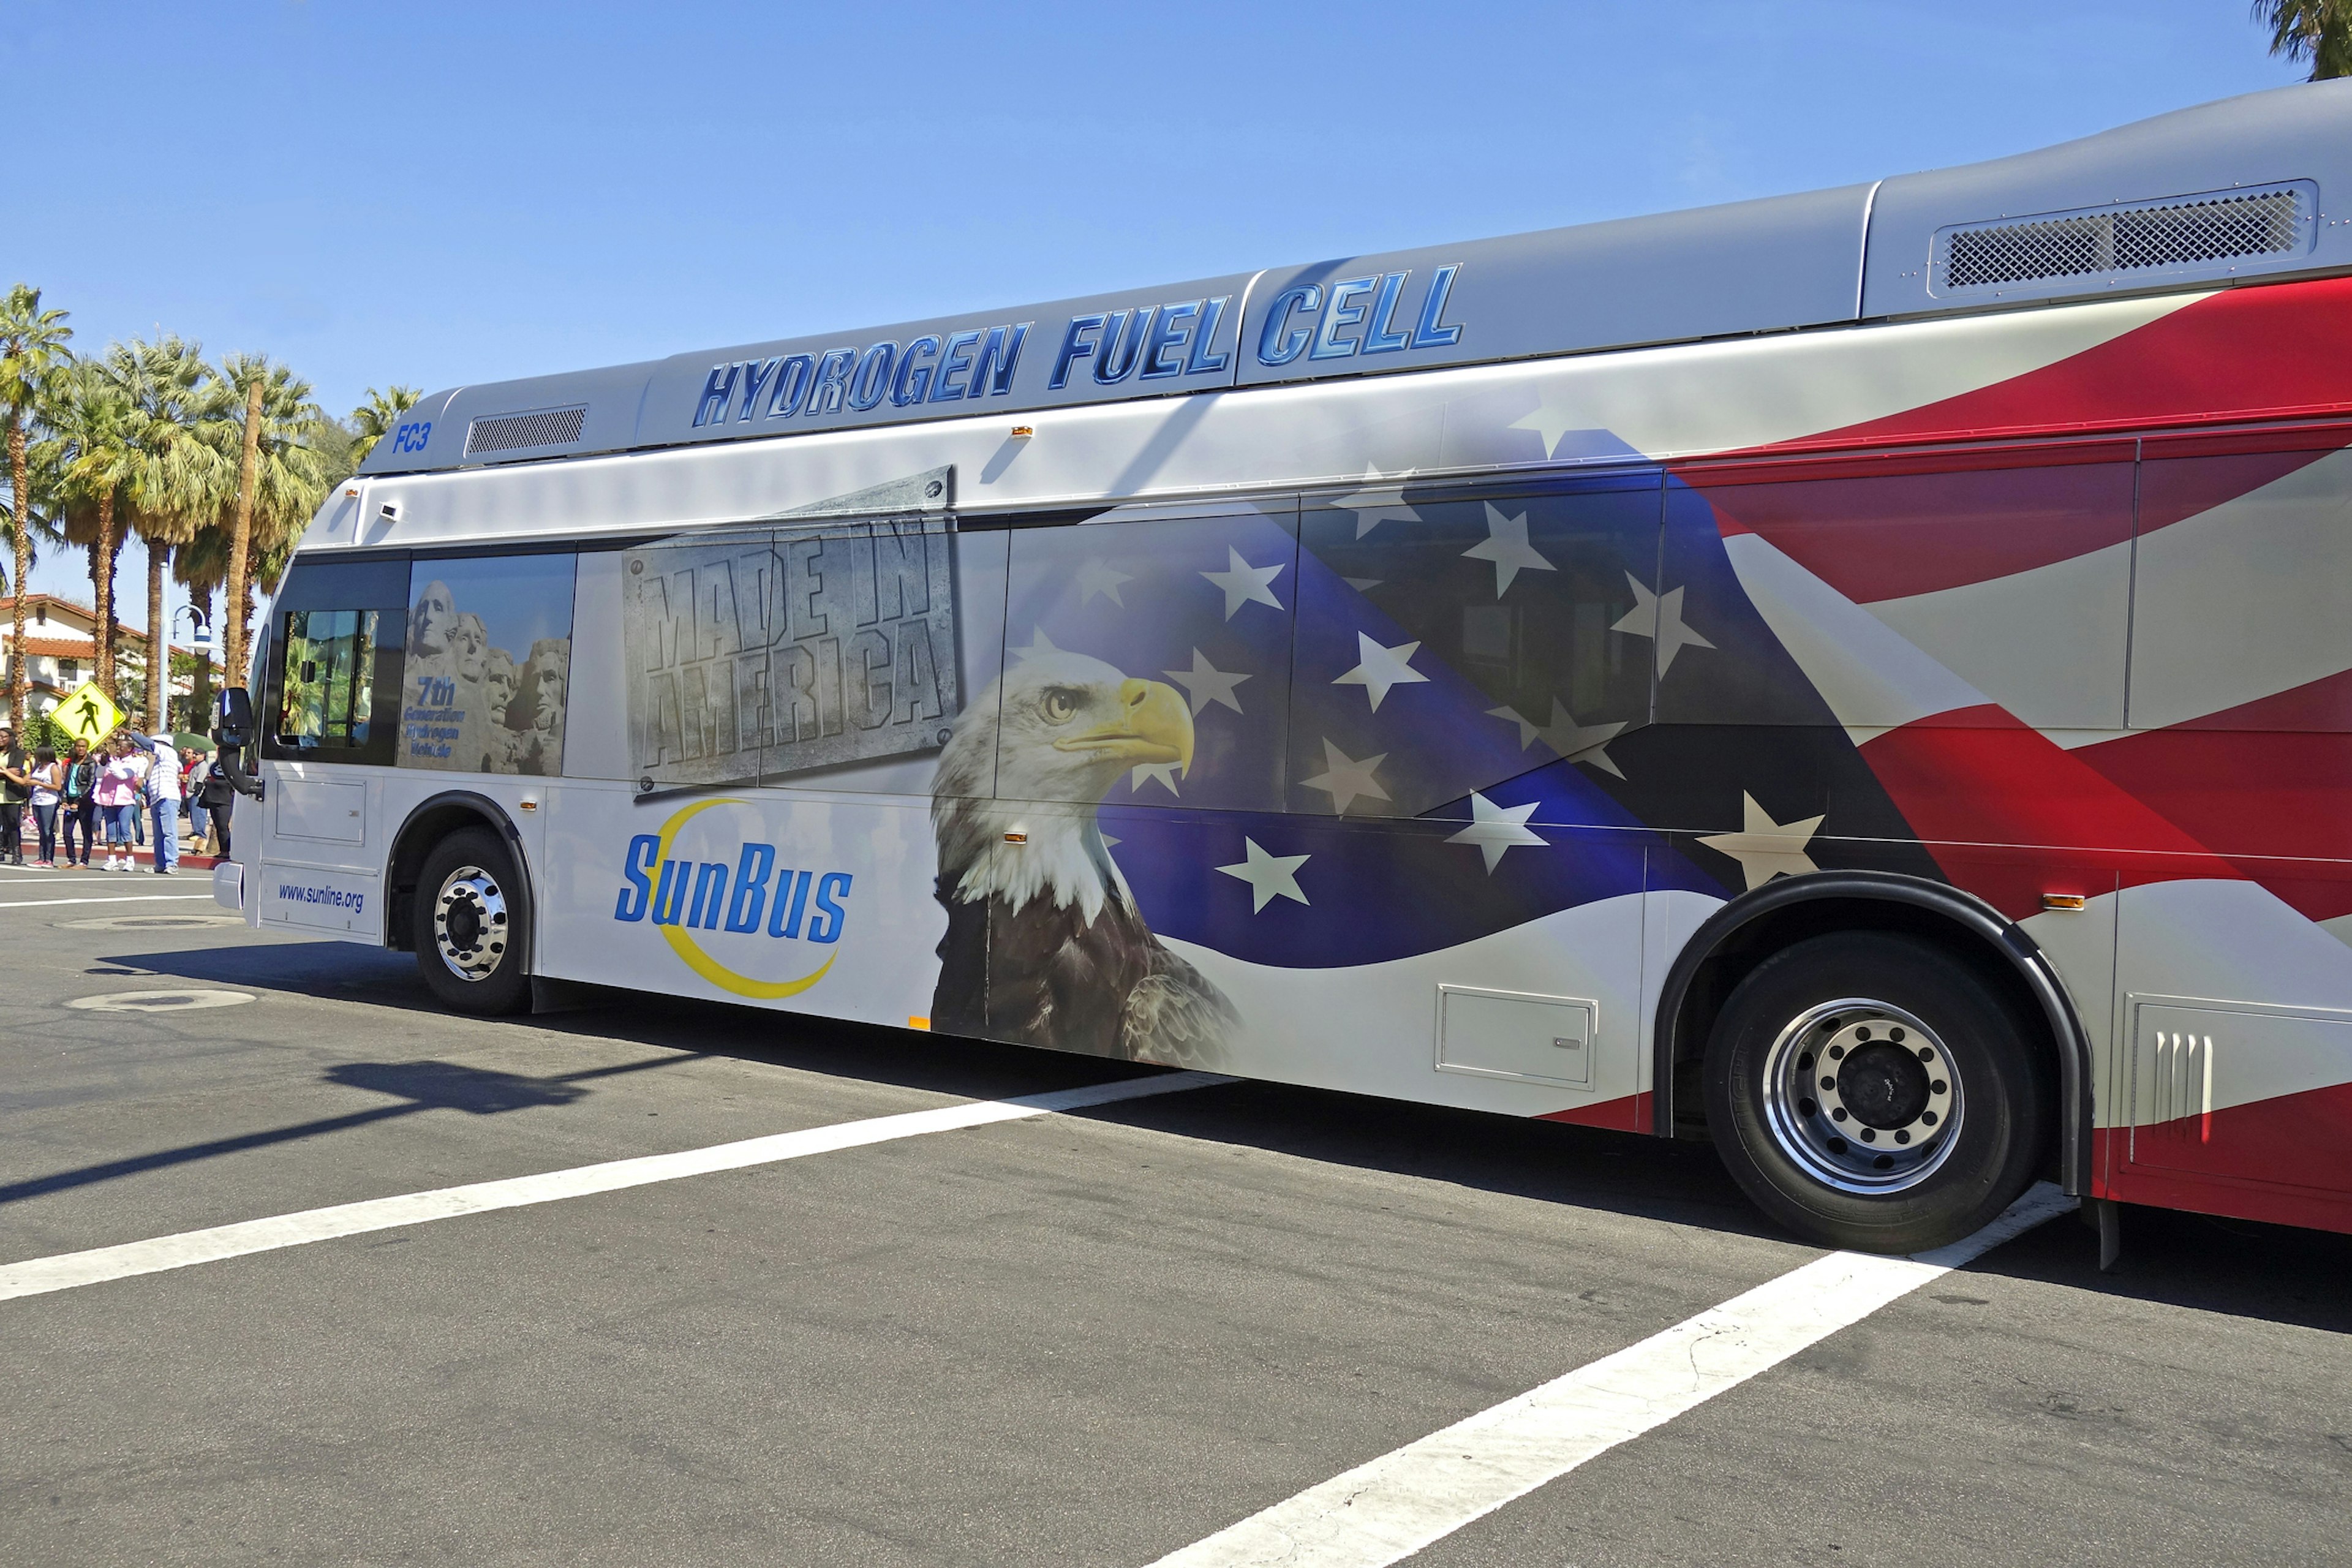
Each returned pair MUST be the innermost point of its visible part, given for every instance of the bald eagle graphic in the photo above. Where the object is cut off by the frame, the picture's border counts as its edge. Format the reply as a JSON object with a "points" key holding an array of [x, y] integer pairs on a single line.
{"points": [[1045, 944]]}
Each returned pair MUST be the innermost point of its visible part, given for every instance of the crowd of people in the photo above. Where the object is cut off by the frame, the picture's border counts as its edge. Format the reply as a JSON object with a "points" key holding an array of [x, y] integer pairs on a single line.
{"points": [[116, 791]]}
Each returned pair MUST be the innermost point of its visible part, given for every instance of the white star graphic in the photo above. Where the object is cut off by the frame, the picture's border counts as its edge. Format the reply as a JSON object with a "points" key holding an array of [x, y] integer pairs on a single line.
{"points": [[1101, 577], [1766, 849], [1205, 683], [1506, 546], [1377, 502], [1496, 829], [1660, 617], [1267, 875], [1343, 778], [1377, 669], [1244, 584], [1527, 731], [1580, 742], [1576, 742], [1549, 420], [1039, 643], [1153, 772], [1362, 585]]}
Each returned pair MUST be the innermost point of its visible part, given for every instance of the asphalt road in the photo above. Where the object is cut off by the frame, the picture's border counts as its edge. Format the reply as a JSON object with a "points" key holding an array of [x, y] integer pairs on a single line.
{"points": [[1091, 1338]]}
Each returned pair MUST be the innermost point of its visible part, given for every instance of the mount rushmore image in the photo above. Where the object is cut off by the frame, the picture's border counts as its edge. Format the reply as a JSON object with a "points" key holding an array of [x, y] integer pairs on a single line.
{"points": [[469, 704]]}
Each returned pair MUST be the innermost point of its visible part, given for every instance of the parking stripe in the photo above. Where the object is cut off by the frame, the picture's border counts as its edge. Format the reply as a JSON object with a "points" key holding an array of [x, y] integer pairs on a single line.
{"points": [[67, 1271], [1391, 1507]]}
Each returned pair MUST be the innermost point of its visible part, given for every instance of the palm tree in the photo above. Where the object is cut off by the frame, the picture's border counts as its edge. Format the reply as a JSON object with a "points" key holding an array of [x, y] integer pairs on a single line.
{"points": [[281, 476], [33, 360], [95, 439], [202, 567], [2319, 31], [176, 480], [43, 479], [373, 420]]}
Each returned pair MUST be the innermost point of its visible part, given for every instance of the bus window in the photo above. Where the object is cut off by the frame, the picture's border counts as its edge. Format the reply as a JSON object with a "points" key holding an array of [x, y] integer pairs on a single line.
{"points": [[2242, 653], [2242, 597], [326, 691], [331, 666], [488, 663], [1174, 624], [1450, 638], [2010, 568], [772, 655]]}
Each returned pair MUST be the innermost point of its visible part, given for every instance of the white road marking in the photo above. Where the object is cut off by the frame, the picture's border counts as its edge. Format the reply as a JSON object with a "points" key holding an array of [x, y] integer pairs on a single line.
{"points": [[133, 898], [65, 1271], [27, 874], [1391, 1507], [159, 1001]]}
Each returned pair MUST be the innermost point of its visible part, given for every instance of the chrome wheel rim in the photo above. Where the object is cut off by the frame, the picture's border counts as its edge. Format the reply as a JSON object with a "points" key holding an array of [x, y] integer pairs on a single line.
{"points": [[1862, 1096], [469, 923]]}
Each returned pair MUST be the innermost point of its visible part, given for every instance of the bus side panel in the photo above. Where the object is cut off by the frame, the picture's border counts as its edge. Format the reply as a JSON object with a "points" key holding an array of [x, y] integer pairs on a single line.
{"points": [[812, 904], [314, 847]]}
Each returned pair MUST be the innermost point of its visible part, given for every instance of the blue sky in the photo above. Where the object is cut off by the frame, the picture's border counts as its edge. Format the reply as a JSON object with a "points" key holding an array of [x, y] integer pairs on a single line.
{"points": [[438, 194]]}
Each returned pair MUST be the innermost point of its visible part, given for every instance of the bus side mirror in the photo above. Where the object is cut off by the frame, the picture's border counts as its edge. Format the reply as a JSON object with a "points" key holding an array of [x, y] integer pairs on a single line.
{"points": [[232, 718], [232, 728]]}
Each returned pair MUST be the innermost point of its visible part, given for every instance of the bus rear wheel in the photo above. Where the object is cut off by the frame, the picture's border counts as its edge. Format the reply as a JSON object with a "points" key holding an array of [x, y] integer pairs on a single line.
{"points": [[1872, 1092], [472, 935]]}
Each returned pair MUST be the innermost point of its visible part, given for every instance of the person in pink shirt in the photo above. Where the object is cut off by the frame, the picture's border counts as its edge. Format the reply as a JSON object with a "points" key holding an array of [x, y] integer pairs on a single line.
{"points": [[119, 785]]}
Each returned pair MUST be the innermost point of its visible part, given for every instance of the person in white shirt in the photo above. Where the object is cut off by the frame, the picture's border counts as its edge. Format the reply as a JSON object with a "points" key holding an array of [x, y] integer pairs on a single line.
{"points": [[164, 801]]}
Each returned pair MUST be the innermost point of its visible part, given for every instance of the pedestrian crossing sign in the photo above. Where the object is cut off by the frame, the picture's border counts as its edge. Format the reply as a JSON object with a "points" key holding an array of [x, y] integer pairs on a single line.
{"points": [[90, 714]]}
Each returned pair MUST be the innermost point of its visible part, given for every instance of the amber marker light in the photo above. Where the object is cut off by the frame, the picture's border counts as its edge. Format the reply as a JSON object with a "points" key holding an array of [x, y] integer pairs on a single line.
{"points": [[2063, 902]]}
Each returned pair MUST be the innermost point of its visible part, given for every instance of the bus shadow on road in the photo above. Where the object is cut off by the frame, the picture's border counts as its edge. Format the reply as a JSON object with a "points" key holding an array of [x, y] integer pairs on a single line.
{"points": [[2175, 1259], [414, 1086], [2264, 1272]]}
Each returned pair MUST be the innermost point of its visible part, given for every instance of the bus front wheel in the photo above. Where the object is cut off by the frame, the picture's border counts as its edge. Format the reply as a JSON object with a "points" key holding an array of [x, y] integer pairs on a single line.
{"points": [[1872, 1091], [472, 933]]}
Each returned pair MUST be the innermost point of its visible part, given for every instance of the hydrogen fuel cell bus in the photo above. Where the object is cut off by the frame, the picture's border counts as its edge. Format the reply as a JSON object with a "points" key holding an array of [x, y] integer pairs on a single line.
{"points": [[1863, 676]]}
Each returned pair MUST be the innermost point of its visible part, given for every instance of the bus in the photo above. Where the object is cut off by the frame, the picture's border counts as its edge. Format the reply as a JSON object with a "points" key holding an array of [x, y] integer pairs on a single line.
{"points": [[1863, 678]]}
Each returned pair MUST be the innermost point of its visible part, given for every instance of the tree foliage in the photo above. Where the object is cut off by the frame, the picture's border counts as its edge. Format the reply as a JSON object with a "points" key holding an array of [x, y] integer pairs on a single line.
{"points": [[149, 440], [2315, 31], [373, 419], [34, 365]]}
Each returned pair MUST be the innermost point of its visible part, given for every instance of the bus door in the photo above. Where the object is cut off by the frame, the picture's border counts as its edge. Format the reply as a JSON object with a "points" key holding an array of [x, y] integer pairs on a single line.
{"points": [[330, 703]]}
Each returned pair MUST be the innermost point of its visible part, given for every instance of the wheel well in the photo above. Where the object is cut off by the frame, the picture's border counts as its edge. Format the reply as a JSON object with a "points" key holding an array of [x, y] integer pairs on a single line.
{"points": [[2005, 960], [428, 826]]}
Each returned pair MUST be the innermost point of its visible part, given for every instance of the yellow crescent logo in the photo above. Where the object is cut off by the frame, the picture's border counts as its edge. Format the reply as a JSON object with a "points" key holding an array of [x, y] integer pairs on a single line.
{"points": [[701, 962]]}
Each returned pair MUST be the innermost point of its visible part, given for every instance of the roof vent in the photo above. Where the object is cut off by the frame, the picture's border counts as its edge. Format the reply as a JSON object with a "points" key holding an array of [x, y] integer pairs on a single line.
{"points": [[515, 432], [2141, 239]]}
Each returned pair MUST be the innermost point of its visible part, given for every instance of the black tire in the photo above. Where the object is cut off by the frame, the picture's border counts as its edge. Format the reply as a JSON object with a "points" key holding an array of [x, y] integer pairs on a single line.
{"points": [[1925, 1051], [472, 925]]}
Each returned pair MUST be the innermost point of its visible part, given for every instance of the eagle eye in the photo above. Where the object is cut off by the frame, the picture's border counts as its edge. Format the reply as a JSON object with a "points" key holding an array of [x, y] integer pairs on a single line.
{"points": [[1060, 705]]}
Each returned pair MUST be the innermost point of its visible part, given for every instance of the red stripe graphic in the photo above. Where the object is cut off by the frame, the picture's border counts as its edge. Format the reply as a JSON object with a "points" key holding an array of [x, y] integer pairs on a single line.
{"points": [[1895, 526], [2265, 782], [2254, 353], [1978, 777], [1629, 1113], [1871, 533], [2287, 1159]]}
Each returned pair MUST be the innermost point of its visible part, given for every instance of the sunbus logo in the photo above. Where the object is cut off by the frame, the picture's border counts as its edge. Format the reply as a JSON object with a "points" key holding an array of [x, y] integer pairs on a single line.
{"points": [[749, 896], [711, 896]]}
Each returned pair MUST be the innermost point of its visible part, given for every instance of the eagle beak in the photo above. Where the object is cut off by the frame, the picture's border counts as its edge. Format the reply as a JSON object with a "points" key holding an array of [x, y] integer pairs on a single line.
{"points": [[1153, 726]]}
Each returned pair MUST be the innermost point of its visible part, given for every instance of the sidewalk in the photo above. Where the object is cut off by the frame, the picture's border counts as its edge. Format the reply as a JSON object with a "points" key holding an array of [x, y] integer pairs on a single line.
{"points": [[145, 857]]}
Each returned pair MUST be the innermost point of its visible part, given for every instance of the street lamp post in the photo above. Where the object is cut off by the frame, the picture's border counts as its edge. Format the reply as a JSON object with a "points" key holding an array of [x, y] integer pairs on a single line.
{"points": [[200, 643]]}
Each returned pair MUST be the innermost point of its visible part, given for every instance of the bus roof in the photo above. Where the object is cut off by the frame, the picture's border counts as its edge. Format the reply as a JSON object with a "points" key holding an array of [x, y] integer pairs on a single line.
{"points": [[2219, 194]]}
